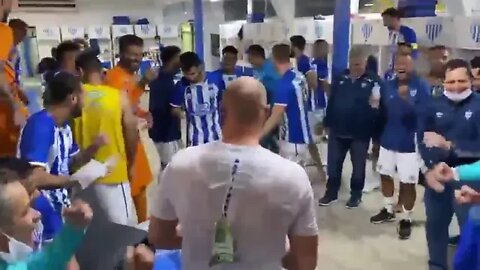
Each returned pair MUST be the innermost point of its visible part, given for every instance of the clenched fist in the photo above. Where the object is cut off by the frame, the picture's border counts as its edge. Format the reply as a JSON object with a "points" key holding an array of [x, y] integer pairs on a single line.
{"points": [[79, 215]]}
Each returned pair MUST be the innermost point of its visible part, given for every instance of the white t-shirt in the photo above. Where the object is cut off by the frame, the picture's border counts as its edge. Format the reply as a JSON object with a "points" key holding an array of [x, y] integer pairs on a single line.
{"points": [[271, 197]]}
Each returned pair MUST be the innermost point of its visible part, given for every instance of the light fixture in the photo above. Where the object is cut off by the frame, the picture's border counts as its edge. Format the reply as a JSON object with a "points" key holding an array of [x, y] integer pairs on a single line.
{"points": [[213, 1], [368, 5]]}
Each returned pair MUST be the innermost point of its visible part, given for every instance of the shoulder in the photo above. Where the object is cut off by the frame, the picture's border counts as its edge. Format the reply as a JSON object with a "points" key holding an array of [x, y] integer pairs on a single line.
{"points": [[289, 175], [186, 159]]}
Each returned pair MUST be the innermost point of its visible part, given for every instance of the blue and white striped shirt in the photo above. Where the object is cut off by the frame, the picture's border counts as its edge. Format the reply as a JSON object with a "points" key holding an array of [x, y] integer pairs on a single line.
{"points": [[45, 144], [293, 92], [201, 102]]}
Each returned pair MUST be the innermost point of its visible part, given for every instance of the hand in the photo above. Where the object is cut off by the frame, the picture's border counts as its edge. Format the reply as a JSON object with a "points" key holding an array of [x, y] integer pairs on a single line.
{"points": [[79, 215], [149, 75], [144, 258], [432, 139], [433, 183], [443, 172], [101, 140], [374, 102], [149, 119], [19, 118], [467, 195]]}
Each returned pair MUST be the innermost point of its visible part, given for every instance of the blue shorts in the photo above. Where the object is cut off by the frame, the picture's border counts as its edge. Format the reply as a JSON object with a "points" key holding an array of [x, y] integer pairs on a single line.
{"points": [[51, 219]]}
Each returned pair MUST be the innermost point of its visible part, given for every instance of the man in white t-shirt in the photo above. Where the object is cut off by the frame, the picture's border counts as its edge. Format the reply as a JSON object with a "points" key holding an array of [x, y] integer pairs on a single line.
{"points": [[260, 195]]}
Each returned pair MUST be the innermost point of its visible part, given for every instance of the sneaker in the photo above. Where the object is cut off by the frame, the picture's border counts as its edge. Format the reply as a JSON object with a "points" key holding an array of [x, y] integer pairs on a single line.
{"points": [[382, 217], [453, 241], [404, 229], [353, 202], [326, 200]]}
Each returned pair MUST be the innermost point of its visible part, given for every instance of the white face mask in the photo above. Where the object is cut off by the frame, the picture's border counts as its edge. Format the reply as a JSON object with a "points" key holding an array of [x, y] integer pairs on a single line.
{"points": [[18, 251], [458, 96]]}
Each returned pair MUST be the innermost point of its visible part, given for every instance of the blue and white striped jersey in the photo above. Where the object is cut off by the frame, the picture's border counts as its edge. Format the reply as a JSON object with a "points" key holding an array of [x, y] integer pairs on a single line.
{"points": [[201, 102], [45, 144], [293, 92]]}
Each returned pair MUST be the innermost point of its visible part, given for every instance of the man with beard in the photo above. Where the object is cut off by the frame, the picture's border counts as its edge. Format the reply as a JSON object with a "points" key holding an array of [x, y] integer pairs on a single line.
{"points": [[124, 77], [47, 143], [401, 100], [229, 71], [449, 130], [200, 94], [475, 63]]}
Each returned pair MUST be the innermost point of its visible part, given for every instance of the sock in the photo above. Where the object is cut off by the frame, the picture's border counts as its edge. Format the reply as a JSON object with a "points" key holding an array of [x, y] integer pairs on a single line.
{"points": [[407, 214], [388, 204]]}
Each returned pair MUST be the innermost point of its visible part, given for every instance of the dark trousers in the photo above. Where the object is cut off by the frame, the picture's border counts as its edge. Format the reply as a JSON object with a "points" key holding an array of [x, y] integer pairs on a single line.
{"points": [[270, 141], [337, 151], [440, 208]]}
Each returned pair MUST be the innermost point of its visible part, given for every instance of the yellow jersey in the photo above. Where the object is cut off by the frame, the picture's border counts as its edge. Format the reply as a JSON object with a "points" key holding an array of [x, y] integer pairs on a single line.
{"points": [[102, 114]]}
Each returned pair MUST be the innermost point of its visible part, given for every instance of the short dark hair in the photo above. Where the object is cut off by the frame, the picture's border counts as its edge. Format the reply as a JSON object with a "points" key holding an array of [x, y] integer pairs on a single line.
{"points": [[66, 47], [256, 50], [475, 62], [393, 12], [47, 64], [230, 49], [298, 42], [17, 23], [281, 53], [458, 63], [437, 47], [129, 40], [89, 62], [53, 52], [21, 167], [320, 41], [189, 60], [60, 85], [168, 53]]}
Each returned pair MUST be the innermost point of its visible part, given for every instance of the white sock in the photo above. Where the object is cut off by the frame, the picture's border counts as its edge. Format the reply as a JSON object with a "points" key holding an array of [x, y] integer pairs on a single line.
{"points": [[407, 214], [388, 204]]}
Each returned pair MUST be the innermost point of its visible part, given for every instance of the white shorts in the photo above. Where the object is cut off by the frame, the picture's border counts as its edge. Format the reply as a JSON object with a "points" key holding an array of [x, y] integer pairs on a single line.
{"points": [[117, 202], [406, 165], [297, 153], [167, 150]]}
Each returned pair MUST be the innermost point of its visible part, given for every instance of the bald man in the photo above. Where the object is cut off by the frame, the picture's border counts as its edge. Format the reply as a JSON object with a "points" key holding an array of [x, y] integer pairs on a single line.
{"points": [[236, 188], [402, 99]]}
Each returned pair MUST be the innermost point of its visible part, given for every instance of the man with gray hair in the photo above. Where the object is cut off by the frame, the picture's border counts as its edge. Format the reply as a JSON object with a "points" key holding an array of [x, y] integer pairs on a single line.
{"points": [[352, 115]]}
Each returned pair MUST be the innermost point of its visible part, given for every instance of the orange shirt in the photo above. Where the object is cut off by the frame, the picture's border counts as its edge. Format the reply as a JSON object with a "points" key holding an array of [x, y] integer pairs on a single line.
{"points": [[8, 131], [121, 79]]}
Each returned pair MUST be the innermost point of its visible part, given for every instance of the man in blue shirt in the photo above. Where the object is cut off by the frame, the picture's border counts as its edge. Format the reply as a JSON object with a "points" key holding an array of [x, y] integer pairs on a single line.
{"points": [[47, 143], [306, 67], [290, 103], [351, 120], [399, 34], [165, 131], [264, 71], [200, 95], [320, 63], [229, 71], [449, 132], [403, 98]]}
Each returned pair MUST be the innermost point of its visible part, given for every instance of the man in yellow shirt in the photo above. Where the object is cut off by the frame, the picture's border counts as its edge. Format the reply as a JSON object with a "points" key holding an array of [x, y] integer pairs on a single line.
{"points": [[107, 111]]}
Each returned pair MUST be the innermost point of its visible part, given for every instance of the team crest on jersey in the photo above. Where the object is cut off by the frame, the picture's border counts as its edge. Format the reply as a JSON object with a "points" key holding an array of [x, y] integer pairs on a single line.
{"points": [[342, 82], [364, 84], [413, 92], [439, 114], [468, 114]]}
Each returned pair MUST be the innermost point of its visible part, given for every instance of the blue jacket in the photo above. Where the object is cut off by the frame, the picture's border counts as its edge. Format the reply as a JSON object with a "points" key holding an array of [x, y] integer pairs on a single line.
{"points": [[400, 116], [349, 113], [458, 123], [54, 256], [467, 256]]}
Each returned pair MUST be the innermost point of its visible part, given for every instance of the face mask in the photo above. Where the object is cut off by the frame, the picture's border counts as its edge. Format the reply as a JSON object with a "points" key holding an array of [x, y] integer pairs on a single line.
{"points": [[458, 96], [18, 251]]}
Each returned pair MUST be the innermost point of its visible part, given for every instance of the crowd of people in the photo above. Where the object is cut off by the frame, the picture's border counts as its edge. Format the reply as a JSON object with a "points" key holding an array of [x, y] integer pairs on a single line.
{"points": [[235, 192]]}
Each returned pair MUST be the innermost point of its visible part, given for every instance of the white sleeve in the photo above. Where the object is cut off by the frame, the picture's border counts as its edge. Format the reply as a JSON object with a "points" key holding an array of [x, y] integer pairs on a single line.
{"points": [[305, 223], [162, 206]]}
